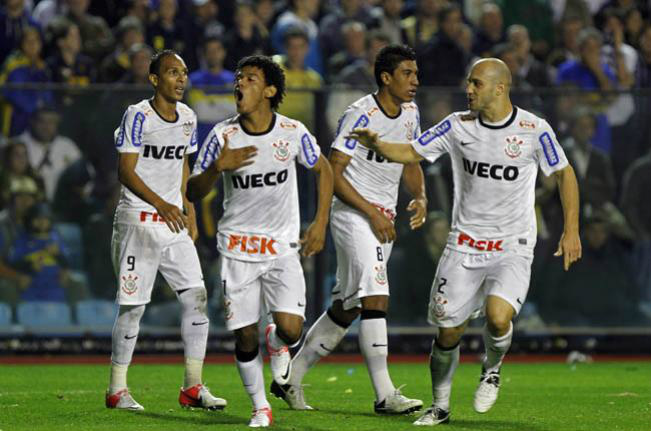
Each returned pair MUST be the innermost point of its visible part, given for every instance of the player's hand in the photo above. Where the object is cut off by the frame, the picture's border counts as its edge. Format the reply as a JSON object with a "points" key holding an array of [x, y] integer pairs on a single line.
{"points": [[419, 208], [232, 159], [382, 227], [366, 137], [570, 248], [313, 240], [173, 216]]}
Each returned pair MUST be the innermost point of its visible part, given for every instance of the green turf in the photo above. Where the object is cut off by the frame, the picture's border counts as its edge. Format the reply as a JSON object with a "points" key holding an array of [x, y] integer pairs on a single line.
{"points": [[534, 397]]}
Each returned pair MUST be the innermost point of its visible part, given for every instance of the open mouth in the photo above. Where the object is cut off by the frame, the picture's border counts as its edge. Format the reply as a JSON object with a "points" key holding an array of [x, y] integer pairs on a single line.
{"points": [[238, 95]]}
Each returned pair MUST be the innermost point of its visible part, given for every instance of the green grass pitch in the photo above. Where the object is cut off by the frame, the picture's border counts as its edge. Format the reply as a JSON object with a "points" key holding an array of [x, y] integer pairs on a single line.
{"points": [[603, 396]]}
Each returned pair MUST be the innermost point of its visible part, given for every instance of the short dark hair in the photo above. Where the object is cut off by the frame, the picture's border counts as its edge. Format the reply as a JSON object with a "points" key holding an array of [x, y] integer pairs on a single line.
{"points": [[389, 58], [273, 75], [295, 31], [157, 58]]}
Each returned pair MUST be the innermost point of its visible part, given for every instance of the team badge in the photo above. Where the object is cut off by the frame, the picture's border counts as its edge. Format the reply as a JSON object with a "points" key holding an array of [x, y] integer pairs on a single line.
{"points": [[380, 274], [281, 151], [228, 314], [513, 147], [129, 285], [187, 128], [439, 306], [409, 125]]}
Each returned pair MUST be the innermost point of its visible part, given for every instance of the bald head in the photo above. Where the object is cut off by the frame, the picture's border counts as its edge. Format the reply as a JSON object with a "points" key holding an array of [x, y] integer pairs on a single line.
{"points": [[494, 70]]}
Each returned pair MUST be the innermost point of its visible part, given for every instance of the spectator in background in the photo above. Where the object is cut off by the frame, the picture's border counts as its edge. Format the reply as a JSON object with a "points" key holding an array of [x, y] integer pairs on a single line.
{"points": [[23, 194], [490, 31], [46, 10], [330, 34], [204, 23], [77, 196], [211, 104], [537, 16], [139, 59], [139, 9], [96, 36], [249, 36], [529, 70], [166, 32], [568, 49], [643, 68], [265, 13], [68, 65], [129, 32], [354, 49], [39, 252], [419, 28], [386, 18], [633, 26], [591, 73], [48, 152], [24, 66], [15, 165], [298, 76], [442, 60], [301, 14], [636, 204], [14, 18]]}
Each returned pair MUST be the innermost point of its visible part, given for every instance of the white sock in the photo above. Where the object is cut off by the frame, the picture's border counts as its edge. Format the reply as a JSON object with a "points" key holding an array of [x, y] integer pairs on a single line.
{"points": [[253, 380], [194, 322], [275, 342], [442, 364], [373, 343], [123, 341], [496, 349], [192, 376], [322, 338]]}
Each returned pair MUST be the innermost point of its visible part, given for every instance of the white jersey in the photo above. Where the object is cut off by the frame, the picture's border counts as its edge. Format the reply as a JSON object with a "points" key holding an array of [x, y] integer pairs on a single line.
{"points": [[161, 146], [376, 179], [261, 218], [494, 170]]}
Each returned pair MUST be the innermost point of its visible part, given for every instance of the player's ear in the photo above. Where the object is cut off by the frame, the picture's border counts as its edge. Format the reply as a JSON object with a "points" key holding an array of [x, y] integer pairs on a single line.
{"points": [[385, 77], [269, 91], [153, 79]]}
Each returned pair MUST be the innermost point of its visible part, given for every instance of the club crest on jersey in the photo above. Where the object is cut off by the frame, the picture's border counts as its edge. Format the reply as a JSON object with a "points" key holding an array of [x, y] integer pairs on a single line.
{"points": [[409, 125], [439, 306], [281, 152], [187, 128], [129, 285], [228, 314], [380, 274], [513, 147]]}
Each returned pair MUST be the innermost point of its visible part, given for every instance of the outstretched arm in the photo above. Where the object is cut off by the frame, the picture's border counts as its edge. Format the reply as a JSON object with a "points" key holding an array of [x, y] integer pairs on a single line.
{"points": [[314, 238], [398, 153], [228, 160], [569, 245]]}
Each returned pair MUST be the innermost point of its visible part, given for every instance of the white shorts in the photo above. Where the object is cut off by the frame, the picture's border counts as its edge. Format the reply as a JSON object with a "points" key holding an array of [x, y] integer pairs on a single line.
{"points": [[361, 259], [138, 252], [277, 284], [464, 280]]}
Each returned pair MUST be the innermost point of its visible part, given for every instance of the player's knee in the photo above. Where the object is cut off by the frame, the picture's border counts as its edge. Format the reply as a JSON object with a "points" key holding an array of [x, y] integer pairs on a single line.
{"points": [[290, 334], [246, 339], [343, 317], [498, 325], [131, 313], [194, 300], [377, 302], [449, 337]]}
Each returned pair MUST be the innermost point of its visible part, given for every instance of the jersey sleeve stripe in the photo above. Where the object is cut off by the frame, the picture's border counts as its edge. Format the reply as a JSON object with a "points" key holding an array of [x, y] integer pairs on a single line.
{"points": [[136, 129], [211, 152], [549, 149], [362, 121], [308, 150]]}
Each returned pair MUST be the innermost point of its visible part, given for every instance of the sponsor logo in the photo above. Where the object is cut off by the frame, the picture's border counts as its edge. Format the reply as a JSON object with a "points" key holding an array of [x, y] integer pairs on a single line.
{"points": [[372, 111], [378, 345], [463, 144], [129, 285], [136, 129], [380, 274], [361, 122], [170, 152], [482, 245], [513, 147], [281, 152], [228, 314], [130, 337], [486, 170], [199, 323], [188, 127], [144, 215], [231, 131], [439, 306], [308, 150], [253, 244], [549, 149], [527, 124], [325, 348], [287, 125], [435, 132], [259, 180]]}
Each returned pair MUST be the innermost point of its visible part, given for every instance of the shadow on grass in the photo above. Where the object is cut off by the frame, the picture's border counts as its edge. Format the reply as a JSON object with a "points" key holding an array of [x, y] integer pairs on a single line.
{"points": [[490, 425]]}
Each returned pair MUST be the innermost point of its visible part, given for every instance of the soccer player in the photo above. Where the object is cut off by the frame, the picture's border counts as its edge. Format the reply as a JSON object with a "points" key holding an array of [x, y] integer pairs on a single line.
{"points": [[155, 227], [258, 238], [364, 207], [496, 149]]}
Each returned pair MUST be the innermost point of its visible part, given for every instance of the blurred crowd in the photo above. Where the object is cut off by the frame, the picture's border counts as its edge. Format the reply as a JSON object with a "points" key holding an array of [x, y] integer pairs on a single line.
{"points": [[585, 65]]}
